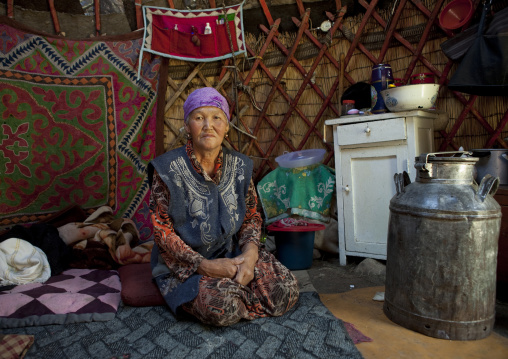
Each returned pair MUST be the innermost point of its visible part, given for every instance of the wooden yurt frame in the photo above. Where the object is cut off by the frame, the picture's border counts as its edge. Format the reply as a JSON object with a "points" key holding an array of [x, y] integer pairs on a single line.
{"points": [[270, 122]]}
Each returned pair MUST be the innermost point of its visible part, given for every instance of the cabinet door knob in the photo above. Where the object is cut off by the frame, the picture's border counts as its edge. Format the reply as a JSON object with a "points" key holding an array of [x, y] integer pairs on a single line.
{"points": [[367, 129], [346, 189]]}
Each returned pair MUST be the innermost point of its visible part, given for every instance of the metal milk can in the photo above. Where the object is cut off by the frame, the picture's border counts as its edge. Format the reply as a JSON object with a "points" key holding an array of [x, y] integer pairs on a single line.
{"points": [[442, 249]]}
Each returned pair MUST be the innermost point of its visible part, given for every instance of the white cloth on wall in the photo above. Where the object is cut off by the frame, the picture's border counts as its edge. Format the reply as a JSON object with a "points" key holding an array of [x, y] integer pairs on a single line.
{"points": [[22, 263]]}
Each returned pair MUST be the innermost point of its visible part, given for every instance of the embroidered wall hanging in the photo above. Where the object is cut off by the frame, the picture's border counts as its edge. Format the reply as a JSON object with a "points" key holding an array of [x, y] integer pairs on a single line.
{"points": [[194, 35], [77, 127]]}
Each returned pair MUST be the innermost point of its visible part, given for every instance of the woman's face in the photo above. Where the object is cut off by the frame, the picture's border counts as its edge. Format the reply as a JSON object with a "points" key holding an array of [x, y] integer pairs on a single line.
{"points": [[207, 126]]}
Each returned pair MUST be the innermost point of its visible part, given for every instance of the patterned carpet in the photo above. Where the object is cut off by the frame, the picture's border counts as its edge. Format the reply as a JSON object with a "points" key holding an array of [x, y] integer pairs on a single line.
{"points": [[309, 330], [78, 125]]}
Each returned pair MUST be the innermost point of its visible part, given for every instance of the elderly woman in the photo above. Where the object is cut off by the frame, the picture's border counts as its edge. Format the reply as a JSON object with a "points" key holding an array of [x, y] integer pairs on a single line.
{"points": [[207, 260]]}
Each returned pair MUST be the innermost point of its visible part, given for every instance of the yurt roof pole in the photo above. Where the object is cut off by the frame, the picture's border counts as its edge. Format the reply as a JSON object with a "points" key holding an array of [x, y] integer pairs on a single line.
{"points": [[10, 9], [97, 6], [139, 14], [267, 13], [54, 17]]}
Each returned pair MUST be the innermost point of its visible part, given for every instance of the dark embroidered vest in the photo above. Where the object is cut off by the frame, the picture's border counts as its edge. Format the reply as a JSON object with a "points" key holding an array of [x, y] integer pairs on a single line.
{"points": [[205, 215]]}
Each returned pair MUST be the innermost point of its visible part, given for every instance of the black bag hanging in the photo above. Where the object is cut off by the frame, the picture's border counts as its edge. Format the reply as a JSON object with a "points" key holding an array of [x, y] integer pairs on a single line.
{"points": [[484, 69]]}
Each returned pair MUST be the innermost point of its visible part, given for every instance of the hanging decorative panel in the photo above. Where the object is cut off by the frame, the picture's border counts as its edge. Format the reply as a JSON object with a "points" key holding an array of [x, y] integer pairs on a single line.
{"points": [[77, 127], [182, 34]]}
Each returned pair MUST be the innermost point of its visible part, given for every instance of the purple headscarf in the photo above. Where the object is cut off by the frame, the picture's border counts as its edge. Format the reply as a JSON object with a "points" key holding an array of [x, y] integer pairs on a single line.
{"points": [[205, 96]]}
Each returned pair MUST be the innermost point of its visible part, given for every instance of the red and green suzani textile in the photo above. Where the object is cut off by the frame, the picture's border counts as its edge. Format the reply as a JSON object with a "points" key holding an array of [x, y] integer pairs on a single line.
{"points": [[77, 126]]}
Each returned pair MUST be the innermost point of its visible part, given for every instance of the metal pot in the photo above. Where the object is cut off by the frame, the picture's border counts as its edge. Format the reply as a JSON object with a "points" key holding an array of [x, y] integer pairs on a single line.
{"points": [[492, 161]]}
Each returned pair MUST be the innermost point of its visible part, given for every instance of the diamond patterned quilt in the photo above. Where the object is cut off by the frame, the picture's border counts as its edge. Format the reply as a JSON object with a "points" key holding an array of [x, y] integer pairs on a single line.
{"points": [[77, 125], [75, 295]]}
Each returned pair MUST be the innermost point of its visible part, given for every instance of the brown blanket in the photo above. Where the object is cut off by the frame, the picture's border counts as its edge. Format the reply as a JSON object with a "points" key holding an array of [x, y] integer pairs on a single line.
{"points": [[102, 241]]}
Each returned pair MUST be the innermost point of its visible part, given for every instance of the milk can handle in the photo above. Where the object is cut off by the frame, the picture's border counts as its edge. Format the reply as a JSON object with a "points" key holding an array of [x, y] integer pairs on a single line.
{"points": [[488, 185], [424, 157], [401, 180]]}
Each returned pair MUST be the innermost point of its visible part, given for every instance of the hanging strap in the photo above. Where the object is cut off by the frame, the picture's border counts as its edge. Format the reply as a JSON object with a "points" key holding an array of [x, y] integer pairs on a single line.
{"points": [[486, 9]]}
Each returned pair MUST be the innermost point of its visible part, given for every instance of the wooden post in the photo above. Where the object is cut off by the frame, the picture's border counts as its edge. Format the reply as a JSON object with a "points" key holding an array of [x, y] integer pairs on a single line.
{"points": [[389, 32], [139, 14], [301, 8], [10, 9], [97, 6], [341, 80], [267, 13], [54, 16], [162, 88]]}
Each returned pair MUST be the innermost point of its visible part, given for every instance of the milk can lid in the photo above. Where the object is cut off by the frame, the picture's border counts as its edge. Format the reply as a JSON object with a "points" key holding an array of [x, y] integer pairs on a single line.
{"points": [[454, 156]]}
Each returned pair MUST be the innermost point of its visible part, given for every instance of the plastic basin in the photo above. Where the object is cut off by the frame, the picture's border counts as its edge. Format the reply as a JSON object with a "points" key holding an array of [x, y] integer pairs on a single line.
{"points": [[456, 14], [301, 158], [411, 97]]}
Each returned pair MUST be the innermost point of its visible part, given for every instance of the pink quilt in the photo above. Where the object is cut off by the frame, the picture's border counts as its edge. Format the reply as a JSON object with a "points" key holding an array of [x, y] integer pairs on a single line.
{"points": [[76, 295]]}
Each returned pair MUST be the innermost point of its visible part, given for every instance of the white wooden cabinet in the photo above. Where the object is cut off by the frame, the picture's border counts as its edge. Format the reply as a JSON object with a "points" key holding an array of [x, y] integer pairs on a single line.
{"points": [[369, 150]]}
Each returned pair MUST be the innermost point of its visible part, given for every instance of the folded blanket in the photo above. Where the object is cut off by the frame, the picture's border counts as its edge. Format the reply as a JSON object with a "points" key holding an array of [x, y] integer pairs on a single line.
{"points": [[102, 241], [22, 263], [15, 345]]}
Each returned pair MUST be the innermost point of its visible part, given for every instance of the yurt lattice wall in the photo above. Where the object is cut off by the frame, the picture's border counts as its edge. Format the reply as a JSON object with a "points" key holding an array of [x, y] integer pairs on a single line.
{"points": [[291, 82], [285, 100]]}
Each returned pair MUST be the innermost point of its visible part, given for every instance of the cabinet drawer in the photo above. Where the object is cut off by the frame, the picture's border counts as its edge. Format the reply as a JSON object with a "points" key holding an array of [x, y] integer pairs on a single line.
{"points": [[369, 132]]}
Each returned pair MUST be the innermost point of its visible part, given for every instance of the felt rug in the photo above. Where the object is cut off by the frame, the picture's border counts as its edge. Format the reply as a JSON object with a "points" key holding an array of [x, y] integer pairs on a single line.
{"points": [[75, 295], [308, 330], [78, 125]]}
